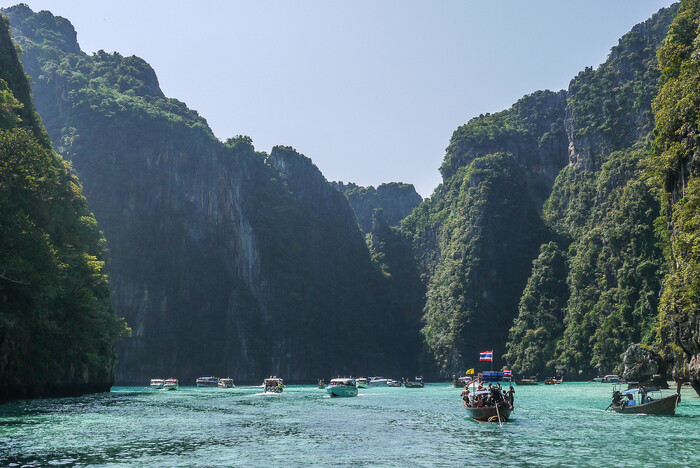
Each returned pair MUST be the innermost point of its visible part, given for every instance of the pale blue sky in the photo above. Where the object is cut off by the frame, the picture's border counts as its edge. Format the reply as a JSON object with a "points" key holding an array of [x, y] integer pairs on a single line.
{"points": [[370, 90]]}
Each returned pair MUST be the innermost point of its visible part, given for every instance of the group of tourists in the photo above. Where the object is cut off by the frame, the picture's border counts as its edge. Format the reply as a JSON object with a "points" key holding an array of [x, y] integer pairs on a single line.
{"points": [[494, 395]]}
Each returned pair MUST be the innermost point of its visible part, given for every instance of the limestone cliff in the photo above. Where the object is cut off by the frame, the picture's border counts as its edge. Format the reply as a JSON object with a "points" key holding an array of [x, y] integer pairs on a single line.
{"points": [[222, 259], [395, 199]]}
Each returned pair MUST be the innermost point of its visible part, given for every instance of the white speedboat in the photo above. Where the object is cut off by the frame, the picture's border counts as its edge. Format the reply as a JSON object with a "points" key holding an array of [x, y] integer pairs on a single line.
{"points": [[362, 382], [156, 384], [226, 383], [273, 385], [207, 381], [171, 384], [342, 388], [377, 381]]}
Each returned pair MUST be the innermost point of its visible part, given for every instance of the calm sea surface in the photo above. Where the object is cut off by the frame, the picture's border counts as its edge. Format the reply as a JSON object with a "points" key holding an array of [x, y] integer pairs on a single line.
{"points": [[562, 425]]}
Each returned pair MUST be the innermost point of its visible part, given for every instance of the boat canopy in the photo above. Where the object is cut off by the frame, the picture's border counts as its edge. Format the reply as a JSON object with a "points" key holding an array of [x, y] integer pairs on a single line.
{"points": [[491, 376], [480, 392], [342, 381]]}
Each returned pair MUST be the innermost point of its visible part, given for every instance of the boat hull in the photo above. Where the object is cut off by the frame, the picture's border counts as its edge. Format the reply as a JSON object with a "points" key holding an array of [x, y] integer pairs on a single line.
{"points": [[414, 385], [665, 406], [526, 382], [378, 383], [341, 391], [207, 384], [488, 413]]}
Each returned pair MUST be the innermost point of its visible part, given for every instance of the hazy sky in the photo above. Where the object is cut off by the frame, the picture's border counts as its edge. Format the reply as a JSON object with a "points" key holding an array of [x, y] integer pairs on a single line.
{"points": [[370, 90]]}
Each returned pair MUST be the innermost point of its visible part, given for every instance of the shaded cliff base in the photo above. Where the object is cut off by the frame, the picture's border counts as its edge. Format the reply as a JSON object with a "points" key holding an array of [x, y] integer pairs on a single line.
{"points": [[20, 392]]}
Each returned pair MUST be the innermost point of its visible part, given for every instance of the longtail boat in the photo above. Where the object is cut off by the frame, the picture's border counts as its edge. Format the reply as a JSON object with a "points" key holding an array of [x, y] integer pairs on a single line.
{"points": [[530, 381], [488, 405], [415, 383], [637, 401]]}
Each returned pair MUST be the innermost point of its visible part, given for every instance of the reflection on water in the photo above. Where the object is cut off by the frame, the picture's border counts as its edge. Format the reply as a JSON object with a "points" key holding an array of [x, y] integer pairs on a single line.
{"points": [[563, 425]]}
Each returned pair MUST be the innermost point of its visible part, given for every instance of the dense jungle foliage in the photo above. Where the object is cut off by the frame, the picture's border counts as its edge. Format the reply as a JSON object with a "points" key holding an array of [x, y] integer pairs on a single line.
{"points": [[57, 326], [675, 169], [488, 235]]}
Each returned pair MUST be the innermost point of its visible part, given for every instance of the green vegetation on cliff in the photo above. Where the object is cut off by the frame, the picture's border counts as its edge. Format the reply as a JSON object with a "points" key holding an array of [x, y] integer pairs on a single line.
{"points": [[615, 272], [487, 235], [574, 158], [675, 168], [540, 321], [57, 327], [604, 210]]}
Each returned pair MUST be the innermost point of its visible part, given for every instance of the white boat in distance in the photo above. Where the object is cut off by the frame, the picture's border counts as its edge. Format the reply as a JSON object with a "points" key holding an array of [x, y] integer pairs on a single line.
{"points": [[377, 381], [207, 381], [342, 388], [273, 385], [156, 384], [226, 383], [171, 384], [362, 382]]}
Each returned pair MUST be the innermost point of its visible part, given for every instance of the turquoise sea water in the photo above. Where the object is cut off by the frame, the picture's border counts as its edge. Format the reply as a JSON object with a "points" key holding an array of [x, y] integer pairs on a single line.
{"points": [[563, 425]]}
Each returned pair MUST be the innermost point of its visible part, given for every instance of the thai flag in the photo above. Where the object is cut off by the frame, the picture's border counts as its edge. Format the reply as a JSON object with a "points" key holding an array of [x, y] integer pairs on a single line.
{"points": [[506, 373], [486, 356]]}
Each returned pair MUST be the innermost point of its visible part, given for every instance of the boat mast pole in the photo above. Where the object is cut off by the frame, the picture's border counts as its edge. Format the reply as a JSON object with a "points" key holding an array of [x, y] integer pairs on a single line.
{"points": [[498, 413]]}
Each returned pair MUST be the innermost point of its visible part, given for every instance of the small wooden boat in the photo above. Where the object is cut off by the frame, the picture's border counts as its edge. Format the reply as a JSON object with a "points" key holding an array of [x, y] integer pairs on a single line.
{"points": [[636, 401], [342, 388], [415, 383], [226, 383], [273, 385], [171, 384], [530, 381]]}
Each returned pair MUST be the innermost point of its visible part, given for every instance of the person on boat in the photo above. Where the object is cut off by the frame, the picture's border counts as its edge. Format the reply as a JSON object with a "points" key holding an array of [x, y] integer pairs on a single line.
{"points": [[628, 402], [465, 393], [495, 394], [643, 394], [617, 399]]}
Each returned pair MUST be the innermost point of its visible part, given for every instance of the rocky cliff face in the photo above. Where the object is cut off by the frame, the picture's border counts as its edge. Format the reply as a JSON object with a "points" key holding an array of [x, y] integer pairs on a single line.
{"points": [[223, 260], [396, 200]]}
